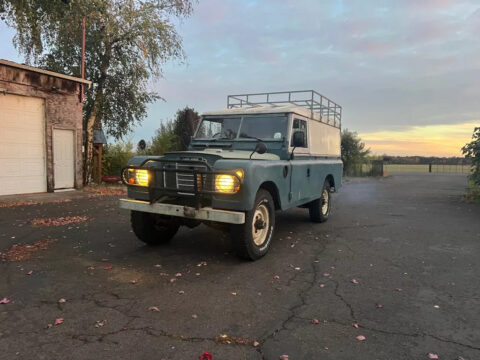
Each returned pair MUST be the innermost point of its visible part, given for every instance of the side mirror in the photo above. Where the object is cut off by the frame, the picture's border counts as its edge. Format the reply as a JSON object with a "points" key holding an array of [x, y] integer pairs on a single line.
{"points": [[142, 144], [298, 139], [260, 148]]}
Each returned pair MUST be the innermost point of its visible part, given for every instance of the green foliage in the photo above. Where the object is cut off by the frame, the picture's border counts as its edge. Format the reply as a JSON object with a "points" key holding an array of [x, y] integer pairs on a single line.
{"points": [[115, 157], [164, 140], [353, 151], [186, 123], [127, 43], [472, 151]]}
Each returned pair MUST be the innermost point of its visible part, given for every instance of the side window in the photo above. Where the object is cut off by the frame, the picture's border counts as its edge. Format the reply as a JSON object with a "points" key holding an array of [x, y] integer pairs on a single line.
{"points": [[300, 125]]}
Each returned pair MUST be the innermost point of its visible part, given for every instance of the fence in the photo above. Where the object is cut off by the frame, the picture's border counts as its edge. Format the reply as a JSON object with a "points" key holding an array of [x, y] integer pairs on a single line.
{"points": [[379, 168], [428, 168]]}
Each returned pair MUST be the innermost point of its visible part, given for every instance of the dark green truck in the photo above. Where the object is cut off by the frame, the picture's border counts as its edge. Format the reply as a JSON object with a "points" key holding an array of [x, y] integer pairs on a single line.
{"points": [[265, 152]]}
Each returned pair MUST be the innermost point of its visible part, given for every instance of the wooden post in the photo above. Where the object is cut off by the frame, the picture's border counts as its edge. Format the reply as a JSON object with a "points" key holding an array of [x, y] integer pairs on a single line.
{"points": [[100, 163]]}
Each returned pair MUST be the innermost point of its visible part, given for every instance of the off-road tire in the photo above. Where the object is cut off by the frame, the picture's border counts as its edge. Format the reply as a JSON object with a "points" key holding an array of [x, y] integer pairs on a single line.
{"points": [[318, 209], [149, 230], [243, 239]]}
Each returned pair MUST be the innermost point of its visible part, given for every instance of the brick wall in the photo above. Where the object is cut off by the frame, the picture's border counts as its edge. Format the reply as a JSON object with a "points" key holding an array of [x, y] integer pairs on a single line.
{"points": [[63, 109]]}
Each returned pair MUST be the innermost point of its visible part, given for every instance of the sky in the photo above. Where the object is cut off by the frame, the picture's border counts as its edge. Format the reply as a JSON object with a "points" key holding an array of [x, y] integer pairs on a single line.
{"points": [[405, 72]]}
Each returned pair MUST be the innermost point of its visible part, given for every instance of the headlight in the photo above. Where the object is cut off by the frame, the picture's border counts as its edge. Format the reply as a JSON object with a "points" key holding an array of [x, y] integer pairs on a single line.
{"points": [[139, 177], [227, 183]]}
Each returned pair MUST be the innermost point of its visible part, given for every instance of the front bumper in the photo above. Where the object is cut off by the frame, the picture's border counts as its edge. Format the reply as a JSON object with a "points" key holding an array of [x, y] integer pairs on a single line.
{"points": [[206, 213]]}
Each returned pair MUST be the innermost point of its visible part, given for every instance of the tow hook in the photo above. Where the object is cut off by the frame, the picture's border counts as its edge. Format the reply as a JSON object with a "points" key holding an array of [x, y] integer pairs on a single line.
{"points": [[189, 211]]}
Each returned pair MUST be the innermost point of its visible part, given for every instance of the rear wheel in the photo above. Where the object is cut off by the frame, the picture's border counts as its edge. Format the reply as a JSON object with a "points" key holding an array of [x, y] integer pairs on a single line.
{"points": [[152, 229], [252, 239], [320, 209]]}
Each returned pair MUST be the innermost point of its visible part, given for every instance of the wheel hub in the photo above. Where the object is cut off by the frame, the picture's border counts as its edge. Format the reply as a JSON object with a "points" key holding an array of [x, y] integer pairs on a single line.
{"points": [[260, 224]]}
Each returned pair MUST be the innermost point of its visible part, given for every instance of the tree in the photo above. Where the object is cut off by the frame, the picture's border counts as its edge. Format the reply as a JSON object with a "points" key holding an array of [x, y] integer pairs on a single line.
{"points": [[127, 43], [164, 140], [472, 151], [353, 150], [116, 156], [186, 123]]}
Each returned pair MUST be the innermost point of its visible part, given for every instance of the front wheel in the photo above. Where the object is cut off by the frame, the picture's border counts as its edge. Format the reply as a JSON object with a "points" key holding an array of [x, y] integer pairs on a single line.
{"points": [[152, 229], [320, 209], [252, 239]]}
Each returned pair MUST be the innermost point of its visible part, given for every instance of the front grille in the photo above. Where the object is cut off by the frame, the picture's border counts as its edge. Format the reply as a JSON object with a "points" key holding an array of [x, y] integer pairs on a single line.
{"points": [[182, 177]]}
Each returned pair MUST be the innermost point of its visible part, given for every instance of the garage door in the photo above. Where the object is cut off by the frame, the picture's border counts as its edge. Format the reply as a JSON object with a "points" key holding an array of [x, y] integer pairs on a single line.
{"points": [[22, 145]]}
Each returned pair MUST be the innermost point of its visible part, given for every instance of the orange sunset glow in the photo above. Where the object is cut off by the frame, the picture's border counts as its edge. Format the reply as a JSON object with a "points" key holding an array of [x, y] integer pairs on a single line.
{"points": [[429, 140]]}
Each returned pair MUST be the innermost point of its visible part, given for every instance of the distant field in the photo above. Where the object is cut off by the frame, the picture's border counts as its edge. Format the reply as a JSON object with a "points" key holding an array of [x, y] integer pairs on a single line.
{"points": [[395, 168]]}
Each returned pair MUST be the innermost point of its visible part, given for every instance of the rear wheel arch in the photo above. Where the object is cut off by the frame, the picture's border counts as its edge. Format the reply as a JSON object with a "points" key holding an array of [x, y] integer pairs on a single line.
{"points": [[331, 181]]}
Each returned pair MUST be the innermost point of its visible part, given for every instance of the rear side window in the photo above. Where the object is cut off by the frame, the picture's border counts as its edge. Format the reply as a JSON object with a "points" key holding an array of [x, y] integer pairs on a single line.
{"points": [[300, 125]]}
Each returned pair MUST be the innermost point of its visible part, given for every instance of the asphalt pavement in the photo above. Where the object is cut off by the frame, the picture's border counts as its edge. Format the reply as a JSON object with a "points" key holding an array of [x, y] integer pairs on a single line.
{"points": [[393, 274]]}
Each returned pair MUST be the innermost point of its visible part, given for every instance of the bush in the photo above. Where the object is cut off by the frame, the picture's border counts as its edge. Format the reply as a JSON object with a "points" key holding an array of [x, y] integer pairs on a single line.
{"points": [[472, 151], [164, 140], [115, 157]]}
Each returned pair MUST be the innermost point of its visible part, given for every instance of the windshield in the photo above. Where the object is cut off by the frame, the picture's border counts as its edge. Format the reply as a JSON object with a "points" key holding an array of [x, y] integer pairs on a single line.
{"points": [[265, 127]]}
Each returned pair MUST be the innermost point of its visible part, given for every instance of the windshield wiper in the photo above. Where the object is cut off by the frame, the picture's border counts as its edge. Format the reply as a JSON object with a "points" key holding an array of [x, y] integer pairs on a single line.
{"points": [[250, 137]]}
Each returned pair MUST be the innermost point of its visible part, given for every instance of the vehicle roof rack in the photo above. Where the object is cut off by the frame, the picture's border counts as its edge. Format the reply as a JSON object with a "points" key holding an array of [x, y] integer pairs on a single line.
{"points": [[321, 108]]}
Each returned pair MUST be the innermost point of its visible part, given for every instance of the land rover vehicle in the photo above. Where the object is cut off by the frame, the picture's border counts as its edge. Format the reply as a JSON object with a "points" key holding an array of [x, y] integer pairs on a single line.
{"points": [[264, 152]]}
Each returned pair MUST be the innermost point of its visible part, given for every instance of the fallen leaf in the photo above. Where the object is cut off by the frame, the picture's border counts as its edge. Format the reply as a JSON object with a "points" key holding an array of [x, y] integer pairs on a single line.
{"points": [[361, 338], [163, 274], [378, 306], [326, 274], [108, 268], [283, 357], [181, 292], [398, 289], [99, 324], [67, 220], [194, 316], [158, 265], [154, 308], [91, 268], [172, 280], [4, 301], [315, 321], [30, 272], [276, 277], [354, 281], [436, 306], [205, 356], [133, 282], [62, 301], [355, 325], [197, 274], [316, 261], [234, 293], [322, 285], [297, 268], [178, 274], [432, 356], [58, 321], [255, 343]]}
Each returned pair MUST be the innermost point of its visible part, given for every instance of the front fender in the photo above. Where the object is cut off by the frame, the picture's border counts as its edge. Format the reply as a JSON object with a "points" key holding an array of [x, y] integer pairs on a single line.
{"points": [[256, 173]]}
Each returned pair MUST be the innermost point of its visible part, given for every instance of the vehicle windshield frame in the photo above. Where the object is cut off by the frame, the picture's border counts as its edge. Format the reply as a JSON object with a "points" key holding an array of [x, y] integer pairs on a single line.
{"points": [[240, 124]]}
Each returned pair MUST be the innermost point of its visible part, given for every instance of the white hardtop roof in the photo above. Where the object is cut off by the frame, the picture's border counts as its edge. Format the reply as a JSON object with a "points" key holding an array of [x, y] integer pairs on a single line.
{"points": [[264, 110]]}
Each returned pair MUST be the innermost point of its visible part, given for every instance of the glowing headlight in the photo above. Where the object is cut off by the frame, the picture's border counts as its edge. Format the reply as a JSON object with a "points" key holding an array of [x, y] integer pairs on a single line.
{"points": [[227, 183], [139, 177]]}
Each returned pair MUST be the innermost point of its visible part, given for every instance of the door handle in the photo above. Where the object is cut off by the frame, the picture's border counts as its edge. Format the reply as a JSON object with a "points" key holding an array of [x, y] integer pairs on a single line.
{"points": [[308, 172]]}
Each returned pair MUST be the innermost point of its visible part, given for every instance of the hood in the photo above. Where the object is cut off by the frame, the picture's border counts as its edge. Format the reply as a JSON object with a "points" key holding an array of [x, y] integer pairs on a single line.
{"points": [[228, 154]]}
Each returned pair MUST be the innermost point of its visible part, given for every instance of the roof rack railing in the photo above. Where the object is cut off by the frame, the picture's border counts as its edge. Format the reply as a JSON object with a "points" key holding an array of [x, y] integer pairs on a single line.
{"points": [[327, 110]]}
